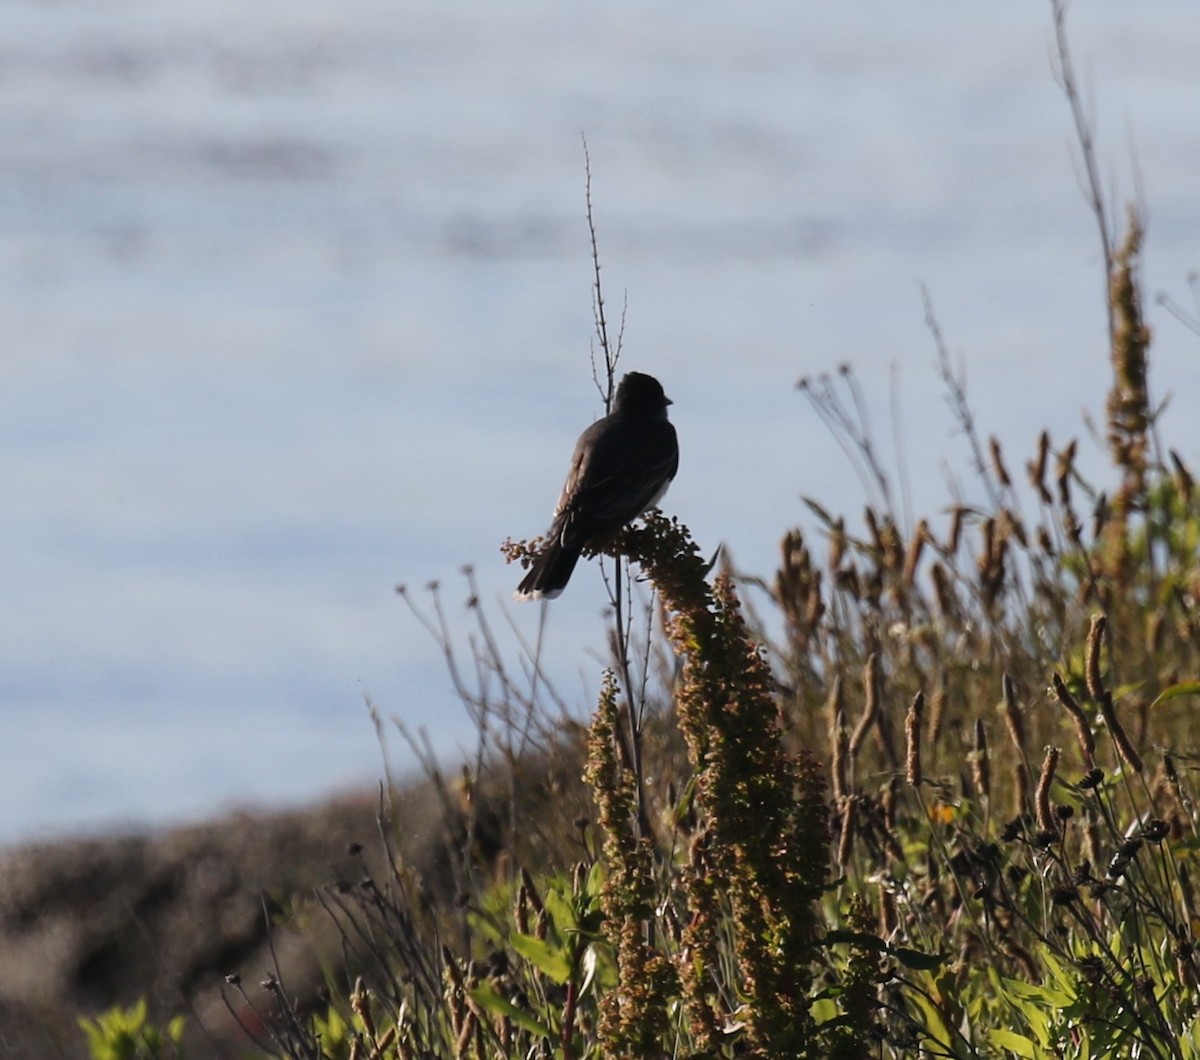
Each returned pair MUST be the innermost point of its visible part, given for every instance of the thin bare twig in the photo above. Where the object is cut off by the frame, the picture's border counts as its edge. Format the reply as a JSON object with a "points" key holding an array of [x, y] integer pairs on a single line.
{"points": [[1090, 183]]}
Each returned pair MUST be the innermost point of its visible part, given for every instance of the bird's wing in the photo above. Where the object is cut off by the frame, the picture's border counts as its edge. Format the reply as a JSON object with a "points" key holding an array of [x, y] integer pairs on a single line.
{"points": [[620, 468]]}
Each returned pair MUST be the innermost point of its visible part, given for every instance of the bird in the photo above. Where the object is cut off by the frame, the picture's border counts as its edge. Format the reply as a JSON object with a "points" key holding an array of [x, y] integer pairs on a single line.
{"points": [[621, 467]]}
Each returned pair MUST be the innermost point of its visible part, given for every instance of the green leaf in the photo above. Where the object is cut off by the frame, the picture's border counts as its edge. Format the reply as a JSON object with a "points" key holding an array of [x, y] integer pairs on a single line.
{"points": [[1184, 688], [856, 938], [1044, 995], [487, 999], [561, 909], [1014, 1043], [594, 884], [934, 1023], [915, 959], [824, 1011], [550, 960]]}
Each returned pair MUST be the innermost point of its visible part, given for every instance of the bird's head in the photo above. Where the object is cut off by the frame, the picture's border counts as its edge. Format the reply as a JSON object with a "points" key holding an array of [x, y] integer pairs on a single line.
{"points": [[640, 393]]}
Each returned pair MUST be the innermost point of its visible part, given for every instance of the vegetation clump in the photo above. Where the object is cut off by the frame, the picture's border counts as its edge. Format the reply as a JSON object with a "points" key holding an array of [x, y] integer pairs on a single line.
{"points": [[929, 796]]}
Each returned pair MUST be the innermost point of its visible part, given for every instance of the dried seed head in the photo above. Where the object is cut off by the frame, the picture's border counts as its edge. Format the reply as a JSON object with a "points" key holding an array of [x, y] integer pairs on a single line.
{"points": [[937, 710], [1083, 728], [839, 742], [1041, 801], [1100, 515], [1095, 641], [871, 690], [981, 770], [1064, 468], [916, 546], [1183, 478], [1016, 527], [1012, 714], [1037, 469], [1063, 895], [874, 530], [887, 910], [1020, 774], [1125, 749], [837, 544], [943, 591], [1155, 831], [912, 737], [846, 836], [998, 462]]}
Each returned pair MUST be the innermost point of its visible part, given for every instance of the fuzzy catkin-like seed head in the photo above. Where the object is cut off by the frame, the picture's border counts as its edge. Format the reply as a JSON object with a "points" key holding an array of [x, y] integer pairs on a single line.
{"points": [[887, 910], [956, 525], [1125, 749], [1037, 468], [998, 462], [1083, 729], [871, 693], [839, 741], [1064, 468], [937, 710], [942, 590], [912, 739], [1095, 641], [1184, 482], [1020, 773], [1046, 819], [846, 836], [981, 768], [916, 546], [1012, 714], [837, 545]]}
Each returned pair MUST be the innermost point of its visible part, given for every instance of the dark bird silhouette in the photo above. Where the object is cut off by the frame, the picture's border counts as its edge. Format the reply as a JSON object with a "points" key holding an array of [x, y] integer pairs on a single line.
{"points": [[622, 466]]}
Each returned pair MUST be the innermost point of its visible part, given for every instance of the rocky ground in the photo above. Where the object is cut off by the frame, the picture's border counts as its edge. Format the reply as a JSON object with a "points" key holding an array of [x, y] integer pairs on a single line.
{"points": [[93, 923]]}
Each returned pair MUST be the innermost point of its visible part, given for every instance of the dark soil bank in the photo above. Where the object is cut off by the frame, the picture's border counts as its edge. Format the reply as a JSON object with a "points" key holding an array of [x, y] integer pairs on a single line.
{"points": [[88, 924]]}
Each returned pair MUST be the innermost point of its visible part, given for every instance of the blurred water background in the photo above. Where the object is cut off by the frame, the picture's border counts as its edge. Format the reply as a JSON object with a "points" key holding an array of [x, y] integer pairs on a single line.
{"points": [[295, 305]]}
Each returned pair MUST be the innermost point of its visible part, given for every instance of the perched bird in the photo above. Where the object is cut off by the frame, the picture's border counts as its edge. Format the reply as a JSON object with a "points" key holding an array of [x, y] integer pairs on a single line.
{"points": [[622, 465]]}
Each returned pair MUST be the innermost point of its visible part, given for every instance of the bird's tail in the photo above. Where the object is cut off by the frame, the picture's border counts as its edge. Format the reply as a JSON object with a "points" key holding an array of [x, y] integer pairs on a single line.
{"points": [[550, 573]]}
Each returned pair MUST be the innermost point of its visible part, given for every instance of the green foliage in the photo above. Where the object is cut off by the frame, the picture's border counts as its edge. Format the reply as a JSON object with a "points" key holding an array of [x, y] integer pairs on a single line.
{"points": [[1010, 869], [127, 1034]]}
